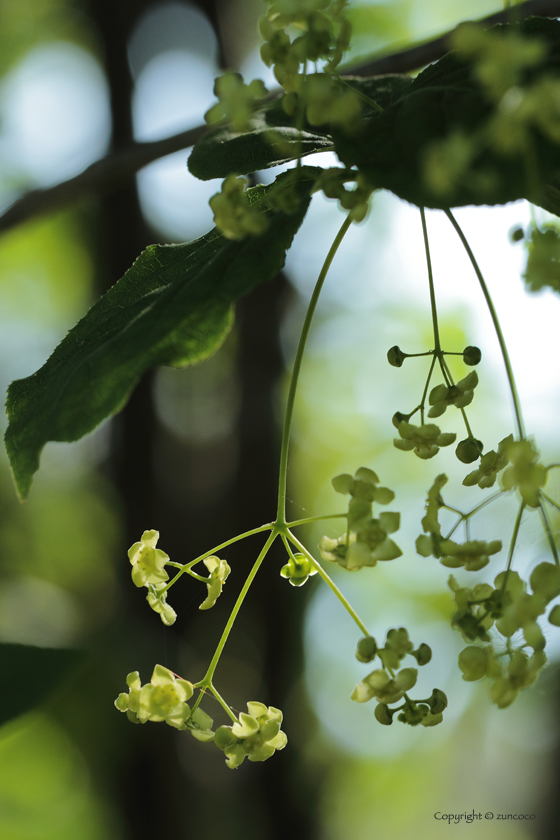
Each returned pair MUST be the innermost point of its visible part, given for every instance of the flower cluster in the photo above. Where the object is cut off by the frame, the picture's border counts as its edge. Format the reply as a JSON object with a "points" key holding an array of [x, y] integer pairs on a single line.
{"points": [[388, 688], [543, 262], [500, 62], [236, 101], [323, 33], [331, 182], [234, 216], [521, 671], [459, 395], [164, 698], [366, 541], [490, 465], [256, 736], [525, 473], [472, 555], [424, 440], [499, 58], [148, 569]]}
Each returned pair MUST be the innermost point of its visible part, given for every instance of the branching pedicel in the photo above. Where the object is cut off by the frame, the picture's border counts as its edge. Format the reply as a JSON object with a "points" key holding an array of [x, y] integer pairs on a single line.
{"points": [[489, 618]]}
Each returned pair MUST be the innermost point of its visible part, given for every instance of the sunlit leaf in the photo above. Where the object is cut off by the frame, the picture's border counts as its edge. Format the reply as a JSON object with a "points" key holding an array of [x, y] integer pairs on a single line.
{"points": [[172, 307]]}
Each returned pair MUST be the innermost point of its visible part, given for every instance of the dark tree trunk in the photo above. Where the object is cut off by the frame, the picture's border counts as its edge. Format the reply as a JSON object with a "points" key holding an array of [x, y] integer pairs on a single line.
{"points": [[167, 783]]}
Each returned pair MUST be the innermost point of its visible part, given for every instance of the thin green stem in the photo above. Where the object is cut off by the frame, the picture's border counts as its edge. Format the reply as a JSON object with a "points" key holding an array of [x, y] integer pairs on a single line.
{"points": [[316, 519], [188, 566], [330, 583], [223, 703], [281, 513], [513, 542], [483, 504], [198, 577], [549, 534], [431, 282], [497, 327], [550, 501], [207, 680], [426, 386]]}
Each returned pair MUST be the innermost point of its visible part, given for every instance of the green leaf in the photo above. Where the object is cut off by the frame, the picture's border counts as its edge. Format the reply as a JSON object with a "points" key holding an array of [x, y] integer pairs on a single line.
{"points": [[172, 307], [29, 674], [445, 99], [274, 138]]}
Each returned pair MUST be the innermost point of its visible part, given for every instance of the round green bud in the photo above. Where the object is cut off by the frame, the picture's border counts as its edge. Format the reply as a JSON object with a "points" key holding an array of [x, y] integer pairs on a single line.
{"points": [[472, 355], [438, 701], [554, 616], [383, 714], [398, 417], [473, 662], [423, 654], [516, 234], [224, 737], [395, 356], [366, 649], [545, 581], [469, 450]]}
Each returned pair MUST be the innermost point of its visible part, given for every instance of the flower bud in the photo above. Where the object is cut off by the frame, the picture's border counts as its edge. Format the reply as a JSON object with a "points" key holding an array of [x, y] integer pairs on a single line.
{"points": [[473, 662], [469, 450], [395, 356], [406, 679], [423, 654], [383, 714], [545, 581], [472, 355], [367, 649], [438, 701]]}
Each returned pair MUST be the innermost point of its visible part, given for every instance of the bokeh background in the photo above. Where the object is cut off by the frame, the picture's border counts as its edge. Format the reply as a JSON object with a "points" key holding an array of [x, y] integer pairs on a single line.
{"points": [[194, 454]]}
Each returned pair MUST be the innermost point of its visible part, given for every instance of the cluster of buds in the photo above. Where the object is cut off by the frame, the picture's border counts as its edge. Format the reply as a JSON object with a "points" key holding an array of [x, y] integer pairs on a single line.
{"points": [[490, 465], [477, 608], [256, 736], [459, 395], [367, 539], [332, 181], [472, 555], [525, 473], [322, 33], [425, 440], [543, 261], [521, 671], [500, 61], [236, 101], [388, 688], [234, 216]]}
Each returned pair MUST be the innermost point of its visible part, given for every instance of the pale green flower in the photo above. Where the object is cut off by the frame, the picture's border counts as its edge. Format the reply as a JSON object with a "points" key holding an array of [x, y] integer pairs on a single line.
{"points": [[219, 571], [148, 562], [233, 215], [256, 735], [164, 698], [237, 101]]}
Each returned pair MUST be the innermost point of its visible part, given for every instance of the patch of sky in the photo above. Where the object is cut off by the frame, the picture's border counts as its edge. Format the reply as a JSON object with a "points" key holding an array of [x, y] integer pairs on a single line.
{"points": [[175, 74], [55, 116]]}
